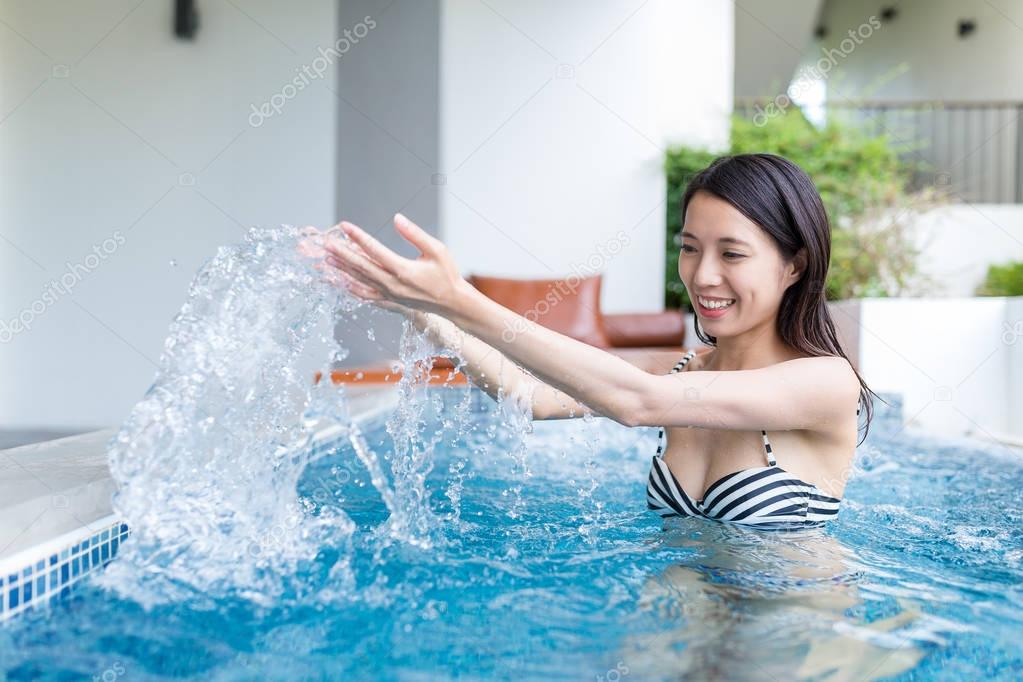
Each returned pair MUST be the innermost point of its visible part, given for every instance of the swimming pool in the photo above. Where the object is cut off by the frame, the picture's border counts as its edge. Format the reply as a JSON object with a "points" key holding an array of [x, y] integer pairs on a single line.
{"points": [[540, 560]]}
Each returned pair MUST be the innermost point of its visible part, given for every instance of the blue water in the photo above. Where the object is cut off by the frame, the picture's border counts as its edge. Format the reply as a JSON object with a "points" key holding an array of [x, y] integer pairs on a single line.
{"points": [[546, 565]]}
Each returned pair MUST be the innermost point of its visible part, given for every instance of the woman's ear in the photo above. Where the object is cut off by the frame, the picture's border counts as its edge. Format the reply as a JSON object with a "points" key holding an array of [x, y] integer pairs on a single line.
{"points": [[798, 265]]}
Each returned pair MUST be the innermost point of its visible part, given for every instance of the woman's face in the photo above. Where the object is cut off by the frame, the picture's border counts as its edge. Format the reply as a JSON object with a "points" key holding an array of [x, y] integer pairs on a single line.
{"points": [[727, 257]]}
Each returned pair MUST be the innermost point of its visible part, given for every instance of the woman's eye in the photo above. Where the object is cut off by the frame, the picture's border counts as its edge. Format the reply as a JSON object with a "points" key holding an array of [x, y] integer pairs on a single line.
{"points": [[686, 248]]}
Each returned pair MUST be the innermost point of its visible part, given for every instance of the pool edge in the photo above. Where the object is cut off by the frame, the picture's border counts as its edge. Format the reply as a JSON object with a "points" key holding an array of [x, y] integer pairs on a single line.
{"points": [[48, 561]]}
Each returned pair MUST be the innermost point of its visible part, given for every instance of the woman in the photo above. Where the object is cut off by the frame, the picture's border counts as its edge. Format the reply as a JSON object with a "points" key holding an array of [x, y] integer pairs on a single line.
{"points": [[754, 259]]}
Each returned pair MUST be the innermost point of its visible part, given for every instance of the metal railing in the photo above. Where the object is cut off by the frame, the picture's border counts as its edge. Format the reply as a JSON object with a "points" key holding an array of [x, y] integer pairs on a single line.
{"points": [[974, 149]]}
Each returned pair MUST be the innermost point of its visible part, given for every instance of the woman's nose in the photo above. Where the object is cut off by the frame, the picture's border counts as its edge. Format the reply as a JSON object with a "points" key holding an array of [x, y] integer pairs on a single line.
{"points": [[707, 274]]}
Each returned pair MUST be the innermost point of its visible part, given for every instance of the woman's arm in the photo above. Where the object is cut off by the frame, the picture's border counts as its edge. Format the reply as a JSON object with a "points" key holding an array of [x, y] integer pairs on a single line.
{"points": [[608, 385], [799, 394], [487, 368], [806, 393]]}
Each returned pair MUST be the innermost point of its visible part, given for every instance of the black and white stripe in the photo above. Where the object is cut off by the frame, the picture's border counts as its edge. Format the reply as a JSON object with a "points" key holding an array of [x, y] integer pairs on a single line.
{"points": [[678, 366], [765, 497]]}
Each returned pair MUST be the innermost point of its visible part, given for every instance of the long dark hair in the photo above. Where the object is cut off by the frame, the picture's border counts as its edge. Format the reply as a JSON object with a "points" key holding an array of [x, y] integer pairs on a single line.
{"points": [[779, 196]]}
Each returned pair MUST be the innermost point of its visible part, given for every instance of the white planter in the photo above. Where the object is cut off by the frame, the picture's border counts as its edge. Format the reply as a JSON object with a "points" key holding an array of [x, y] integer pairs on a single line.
{"points": [[957, 362]]}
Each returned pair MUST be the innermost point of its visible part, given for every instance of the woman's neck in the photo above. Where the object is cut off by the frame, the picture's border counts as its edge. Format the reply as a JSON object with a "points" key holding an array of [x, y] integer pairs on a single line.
{"points": [[749, 351]]}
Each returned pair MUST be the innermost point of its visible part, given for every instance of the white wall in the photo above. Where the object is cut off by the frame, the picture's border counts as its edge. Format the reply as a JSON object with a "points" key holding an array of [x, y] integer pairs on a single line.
{"points": [[919, 55], [956, 361], [1012, 336], [109, 124], [554, 119], [959, 242], [112, 129]]}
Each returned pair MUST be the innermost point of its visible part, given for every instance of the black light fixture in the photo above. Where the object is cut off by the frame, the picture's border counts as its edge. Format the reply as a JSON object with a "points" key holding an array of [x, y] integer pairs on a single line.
{"points": [[966, 27], [186, 19], [889, 12]]}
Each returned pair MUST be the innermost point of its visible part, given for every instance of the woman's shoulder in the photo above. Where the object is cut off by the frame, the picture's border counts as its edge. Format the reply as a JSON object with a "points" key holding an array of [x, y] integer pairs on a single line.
{"points": [[834, 371], [704, 354]]}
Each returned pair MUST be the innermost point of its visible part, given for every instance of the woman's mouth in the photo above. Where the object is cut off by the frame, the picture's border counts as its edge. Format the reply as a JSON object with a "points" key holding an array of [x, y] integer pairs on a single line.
{"points": [[714, 307]]}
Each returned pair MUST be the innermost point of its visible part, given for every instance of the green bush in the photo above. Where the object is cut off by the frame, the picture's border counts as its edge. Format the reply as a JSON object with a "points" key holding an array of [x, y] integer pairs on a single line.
{"points": [[1003, 280], [862, 182]]}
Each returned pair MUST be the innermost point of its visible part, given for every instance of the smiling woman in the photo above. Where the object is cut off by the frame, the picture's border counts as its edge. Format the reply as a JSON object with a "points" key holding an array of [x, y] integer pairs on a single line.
{"points": [[754, 258]]}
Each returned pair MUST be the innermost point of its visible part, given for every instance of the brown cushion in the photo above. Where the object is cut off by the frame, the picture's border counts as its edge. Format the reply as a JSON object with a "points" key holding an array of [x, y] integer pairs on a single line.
{"points": [[570, 306], [635, 330]]}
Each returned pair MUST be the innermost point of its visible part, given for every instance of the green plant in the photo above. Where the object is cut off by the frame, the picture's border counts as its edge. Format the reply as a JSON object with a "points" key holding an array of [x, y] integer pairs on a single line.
{"points": [[1003, 280], [862, 182]]}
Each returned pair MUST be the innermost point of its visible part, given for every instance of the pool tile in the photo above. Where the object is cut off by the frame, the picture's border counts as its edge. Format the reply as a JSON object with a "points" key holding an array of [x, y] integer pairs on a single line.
{"points": [[47, 579]]}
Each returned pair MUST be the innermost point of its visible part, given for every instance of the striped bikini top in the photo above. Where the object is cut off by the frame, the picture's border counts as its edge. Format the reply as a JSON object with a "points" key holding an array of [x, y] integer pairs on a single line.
{"points": [[761, 497]]}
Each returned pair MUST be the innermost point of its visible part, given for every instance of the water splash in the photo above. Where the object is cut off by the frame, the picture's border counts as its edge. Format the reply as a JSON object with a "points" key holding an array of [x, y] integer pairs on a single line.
{"points": [[412, 460], [208, 462], [515, 413]]}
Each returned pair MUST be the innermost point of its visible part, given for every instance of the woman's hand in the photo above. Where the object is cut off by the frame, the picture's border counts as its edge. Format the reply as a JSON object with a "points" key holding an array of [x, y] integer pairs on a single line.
{"points": [[375, 273], [312, 245]]}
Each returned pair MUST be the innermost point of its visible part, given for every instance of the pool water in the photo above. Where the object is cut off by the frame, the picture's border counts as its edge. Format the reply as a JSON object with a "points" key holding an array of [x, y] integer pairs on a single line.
{"points": [[541, 561]]}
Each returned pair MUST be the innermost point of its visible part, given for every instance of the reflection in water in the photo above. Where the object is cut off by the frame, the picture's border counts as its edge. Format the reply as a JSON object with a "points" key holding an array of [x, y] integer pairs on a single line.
{"points": [[757, 605]]}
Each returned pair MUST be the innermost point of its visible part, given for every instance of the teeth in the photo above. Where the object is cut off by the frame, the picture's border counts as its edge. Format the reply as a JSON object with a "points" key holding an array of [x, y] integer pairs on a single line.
{"points": [[714, 305]]}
